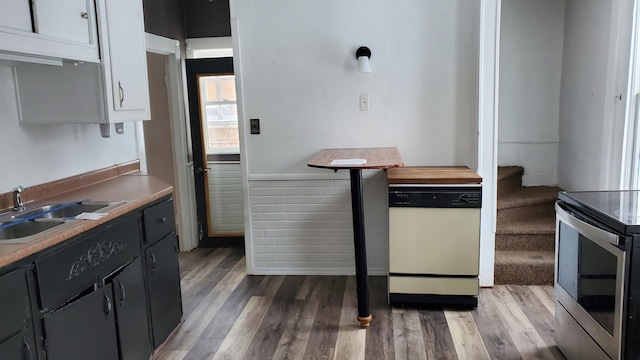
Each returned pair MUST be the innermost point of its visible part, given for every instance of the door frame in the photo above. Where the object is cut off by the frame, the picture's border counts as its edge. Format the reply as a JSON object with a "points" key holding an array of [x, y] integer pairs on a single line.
{"points": [[195, 68], [184, 197], [488, 90]]}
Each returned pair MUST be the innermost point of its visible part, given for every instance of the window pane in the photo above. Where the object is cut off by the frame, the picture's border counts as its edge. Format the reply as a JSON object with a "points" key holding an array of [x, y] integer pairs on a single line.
{"points": [[219, 114], [222, 125], [228, 88], [219, 88], [211, 92]]}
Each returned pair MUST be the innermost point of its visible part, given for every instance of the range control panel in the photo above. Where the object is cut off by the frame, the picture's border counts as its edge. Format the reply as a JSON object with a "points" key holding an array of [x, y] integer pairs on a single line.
{"points": [[435, 197]]}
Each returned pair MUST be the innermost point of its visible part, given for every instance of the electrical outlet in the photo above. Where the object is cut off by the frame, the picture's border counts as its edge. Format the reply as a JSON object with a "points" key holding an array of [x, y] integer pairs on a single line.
{"points": [[364, 102], [255, 126]]}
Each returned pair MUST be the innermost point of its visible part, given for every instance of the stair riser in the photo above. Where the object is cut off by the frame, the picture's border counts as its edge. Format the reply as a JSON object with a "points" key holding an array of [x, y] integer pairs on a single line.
{"points": [[523, 274], [525, 242], [506, 216], [509, 184]]}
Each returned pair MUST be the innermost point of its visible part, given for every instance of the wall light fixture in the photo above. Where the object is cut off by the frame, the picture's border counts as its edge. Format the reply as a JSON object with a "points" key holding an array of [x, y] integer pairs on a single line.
{"points": [[363, 54]]}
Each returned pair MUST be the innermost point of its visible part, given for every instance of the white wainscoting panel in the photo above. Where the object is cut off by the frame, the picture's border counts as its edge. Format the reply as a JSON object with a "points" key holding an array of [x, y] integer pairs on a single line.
{"points": [[305, 227], [225, 197]]}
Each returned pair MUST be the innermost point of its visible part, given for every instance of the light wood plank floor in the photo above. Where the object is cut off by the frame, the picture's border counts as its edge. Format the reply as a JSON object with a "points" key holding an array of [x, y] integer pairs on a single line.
{"points": [[228, 315]]}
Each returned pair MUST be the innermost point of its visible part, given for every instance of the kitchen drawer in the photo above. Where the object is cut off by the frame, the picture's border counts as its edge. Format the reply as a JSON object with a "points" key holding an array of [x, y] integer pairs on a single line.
{"points": [[159, 221], [15, 310], [21, 346], [65, 273]]}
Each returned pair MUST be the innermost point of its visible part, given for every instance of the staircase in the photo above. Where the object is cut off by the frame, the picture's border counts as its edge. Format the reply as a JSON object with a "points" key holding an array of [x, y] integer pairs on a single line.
{"points": [[525, 230]]}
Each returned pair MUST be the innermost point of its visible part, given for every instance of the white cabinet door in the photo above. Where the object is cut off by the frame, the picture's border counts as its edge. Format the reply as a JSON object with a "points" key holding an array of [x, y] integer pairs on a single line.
{"points": [[127, 55], [69, 19], [112, 91], [15, 14]]}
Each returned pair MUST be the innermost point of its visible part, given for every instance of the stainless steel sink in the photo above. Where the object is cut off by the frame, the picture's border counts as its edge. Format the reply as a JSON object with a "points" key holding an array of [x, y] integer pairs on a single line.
{"points": [[16, 230], [19, 226], [68, 210], [34, 211]]}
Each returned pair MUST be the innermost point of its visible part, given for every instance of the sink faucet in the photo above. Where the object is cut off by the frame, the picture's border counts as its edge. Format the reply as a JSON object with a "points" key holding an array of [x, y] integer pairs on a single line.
{"points": [[17, 199]]}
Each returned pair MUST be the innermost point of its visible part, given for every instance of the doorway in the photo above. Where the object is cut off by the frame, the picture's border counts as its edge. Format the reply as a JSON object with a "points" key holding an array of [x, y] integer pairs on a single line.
{"points": [[161, 140], [216, 152]]}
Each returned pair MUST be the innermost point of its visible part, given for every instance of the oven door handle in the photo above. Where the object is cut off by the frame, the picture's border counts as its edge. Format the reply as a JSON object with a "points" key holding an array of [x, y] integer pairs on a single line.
{"points": [[594, 233]]}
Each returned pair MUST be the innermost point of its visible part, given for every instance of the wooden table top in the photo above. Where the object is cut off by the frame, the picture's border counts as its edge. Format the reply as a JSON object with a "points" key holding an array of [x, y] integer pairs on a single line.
{"points": [[433, 175], [376, 158]]}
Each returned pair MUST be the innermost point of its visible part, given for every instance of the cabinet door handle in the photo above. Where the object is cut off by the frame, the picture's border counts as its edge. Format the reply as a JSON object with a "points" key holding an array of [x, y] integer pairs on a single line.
{"points": [[84, 15], [163, 220], [123, 293], [153, 263], [107, 305], [121, 93], [27, 349]]}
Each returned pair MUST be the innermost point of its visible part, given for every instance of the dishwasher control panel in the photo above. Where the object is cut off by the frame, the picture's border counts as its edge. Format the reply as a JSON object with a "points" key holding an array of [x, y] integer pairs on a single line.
{"points": [[435, 197]]}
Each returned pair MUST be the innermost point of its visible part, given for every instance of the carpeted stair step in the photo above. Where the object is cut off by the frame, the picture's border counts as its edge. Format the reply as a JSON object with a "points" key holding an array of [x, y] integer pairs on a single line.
{"points": [[509, 179], [528, 235], [526, 203], [524, 267]]}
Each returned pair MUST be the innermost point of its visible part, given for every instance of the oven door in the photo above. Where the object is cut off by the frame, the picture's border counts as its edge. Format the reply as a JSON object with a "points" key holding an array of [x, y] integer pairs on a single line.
{"points": [[589, 278]]}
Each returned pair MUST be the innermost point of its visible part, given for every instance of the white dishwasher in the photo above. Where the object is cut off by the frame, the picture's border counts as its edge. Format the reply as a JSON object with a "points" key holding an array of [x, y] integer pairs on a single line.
{"points": [[434, 235]]}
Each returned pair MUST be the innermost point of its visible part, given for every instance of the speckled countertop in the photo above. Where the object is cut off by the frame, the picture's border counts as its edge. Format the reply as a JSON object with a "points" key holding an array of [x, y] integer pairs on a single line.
{"points": [[136, 189]]}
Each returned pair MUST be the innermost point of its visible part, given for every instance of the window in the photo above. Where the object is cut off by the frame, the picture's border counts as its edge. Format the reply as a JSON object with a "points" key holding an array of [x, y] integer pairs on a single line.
{"points": [[219, 114]]}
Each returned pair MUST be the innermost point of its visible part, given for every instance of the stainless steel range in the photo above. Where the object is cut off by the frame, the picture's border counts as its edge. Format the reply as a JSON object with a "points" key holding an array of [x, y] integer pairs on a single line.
{"points": [[598, 274]]}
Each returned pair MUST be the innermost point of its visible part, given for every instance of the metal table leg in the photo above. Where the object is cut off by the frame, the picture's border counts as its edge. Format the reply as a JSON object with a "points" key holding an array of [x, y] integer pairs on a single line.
{"points": [[364, 316]]}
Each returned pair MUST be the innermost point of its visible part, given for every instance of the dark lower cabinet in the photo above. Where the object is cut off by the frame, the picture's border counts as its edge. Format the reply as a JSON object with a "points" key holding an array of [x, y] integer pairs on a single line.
{"points": [[15, 311], [21, 346], [163, 276], [112, 294], [83, 329], [132, 320]]}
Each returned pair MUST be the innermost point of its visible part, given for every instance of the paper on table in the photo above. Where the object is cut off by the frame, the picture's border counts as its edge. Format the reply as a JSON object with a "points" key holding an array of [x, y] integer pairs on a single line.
{"points": [[90, 216], [349, 162]]}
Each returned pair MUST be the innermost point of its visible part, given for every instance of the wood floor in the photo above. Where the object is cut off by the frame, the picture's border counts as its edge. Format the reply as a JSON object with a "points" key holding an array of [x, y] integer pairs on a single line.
{"points": [[228, 315]]}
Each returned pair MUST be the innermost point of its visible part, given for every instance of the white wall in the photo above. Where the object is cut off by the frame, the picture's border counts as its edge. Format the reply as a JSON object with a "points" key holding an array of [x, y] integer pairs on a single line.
{"points": [[299, 79], [157, 131], [297, 73], [582, 98], [531, 46], [34, 154]]}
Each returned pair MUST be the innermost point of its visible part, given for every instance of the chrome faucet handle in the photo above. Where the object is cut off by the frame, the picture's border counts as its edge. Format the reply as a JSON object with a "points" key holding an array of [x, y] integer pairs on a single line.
{"points": [[17, 199]]}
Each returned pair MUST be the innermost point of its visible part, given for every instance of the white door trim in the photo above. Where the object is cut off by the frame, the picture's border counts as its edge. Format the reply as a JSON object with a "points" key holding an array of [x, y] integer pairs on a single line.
{"points": [[488, 90], [617, 96], [244, 163], [183, 197]]}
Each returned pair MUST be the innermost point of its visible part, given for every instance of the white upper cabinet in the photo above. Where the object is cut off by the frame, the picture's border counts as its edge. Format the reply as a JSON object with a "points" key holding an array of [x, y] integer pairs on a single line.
{"points": [[72, 20], [112, 91], [60, 29], [127, 56], [15, 14]]}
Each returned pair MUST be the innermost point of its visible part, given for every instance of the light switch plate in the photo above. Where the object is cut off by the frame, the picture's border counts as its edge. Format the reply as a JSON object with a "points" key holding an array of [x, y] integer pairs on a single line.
{"points": [[255, 126], [364, 102]]}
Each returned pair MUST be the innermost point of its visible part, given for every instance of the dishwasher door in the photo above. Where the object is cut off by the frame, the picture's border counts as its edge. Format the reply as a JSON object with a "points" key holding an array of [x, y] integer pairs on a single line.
{"points": [[434, 244], [434, 241]]}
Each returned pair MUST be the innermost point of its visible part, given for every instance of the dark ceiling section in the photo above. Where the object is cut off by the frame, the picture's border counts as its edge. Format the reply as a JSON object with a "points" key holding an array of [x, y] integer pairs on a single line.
{"points": [[164, 18], [206, 18]]}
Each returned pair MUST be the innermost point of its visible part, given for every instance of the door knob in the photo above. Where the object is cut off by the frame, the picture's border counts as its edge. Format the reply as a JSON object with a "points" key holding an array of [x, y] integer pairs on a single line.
{"points": [[201, 170]]}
